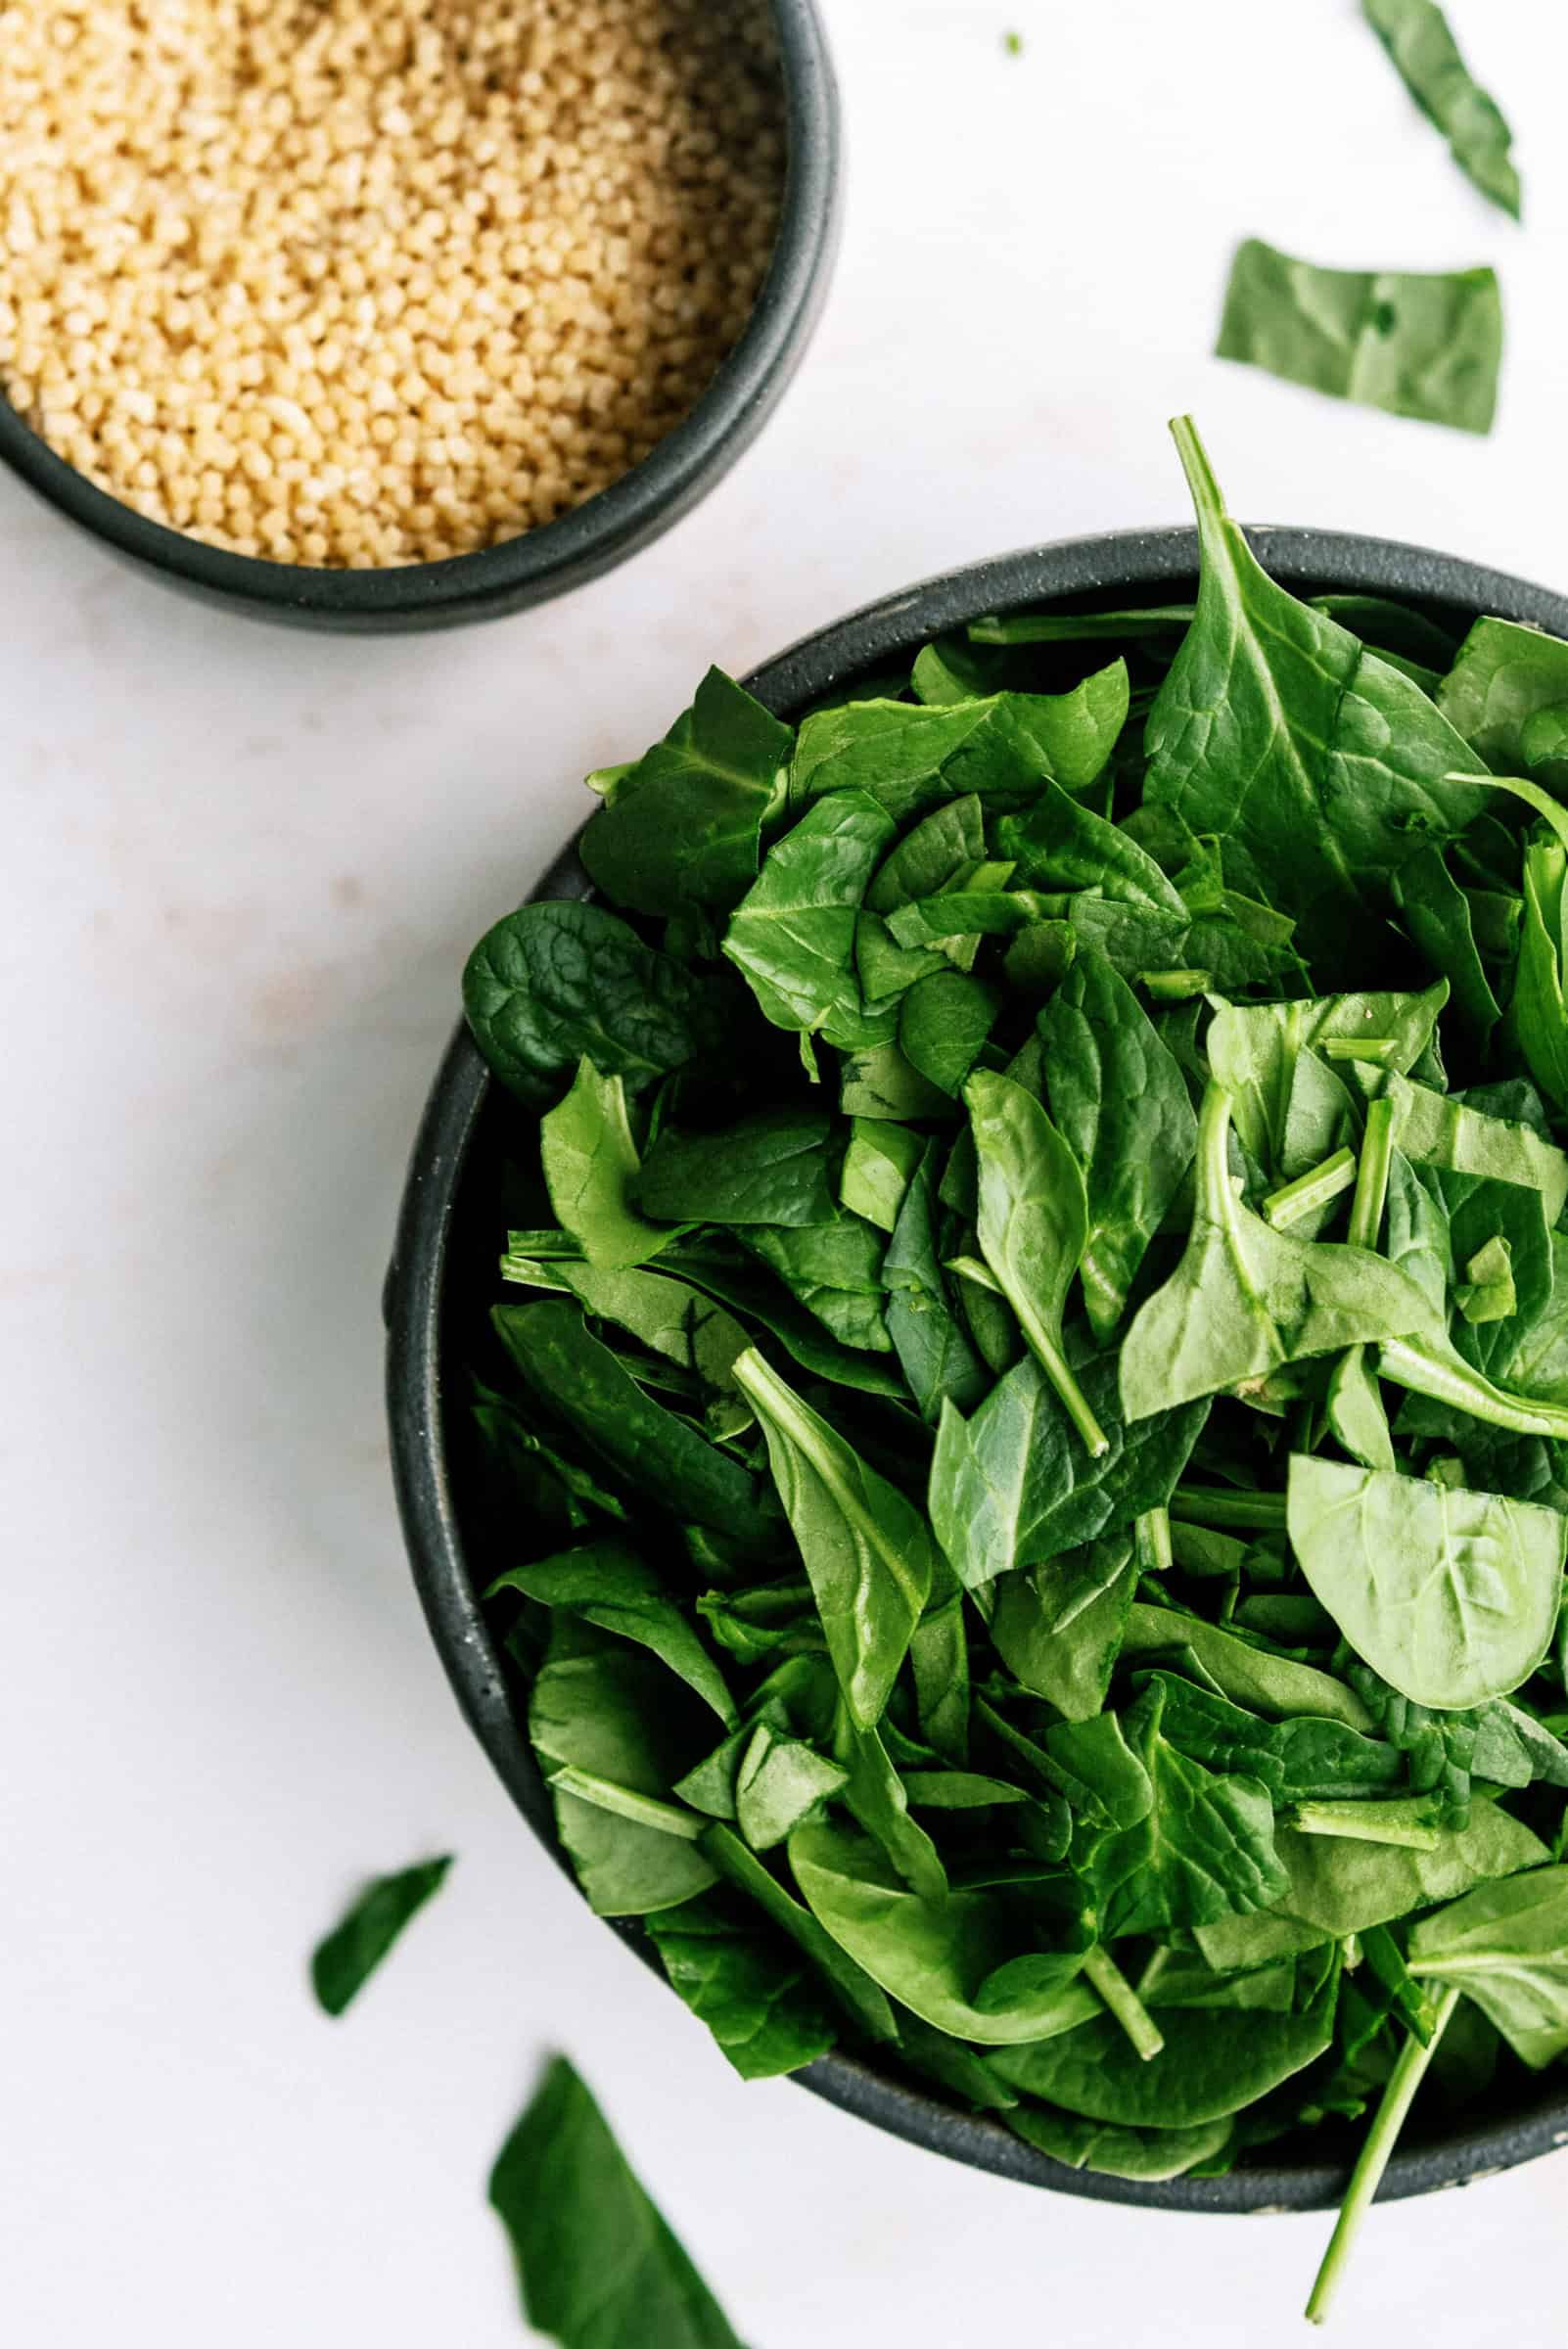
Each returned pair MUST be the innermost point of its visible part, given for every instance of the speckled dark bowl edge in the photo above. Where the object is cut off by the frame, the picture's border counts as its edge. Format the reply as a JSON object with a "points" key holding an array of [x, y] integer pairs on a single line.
{"points": [[1128, 563], [602, 532]]}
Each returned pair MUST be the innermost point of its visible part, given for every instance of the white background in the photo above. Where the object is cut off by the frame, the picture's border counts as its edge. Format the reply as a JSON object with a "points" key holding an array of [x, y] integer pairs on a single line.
{"points": [[240, 869]]}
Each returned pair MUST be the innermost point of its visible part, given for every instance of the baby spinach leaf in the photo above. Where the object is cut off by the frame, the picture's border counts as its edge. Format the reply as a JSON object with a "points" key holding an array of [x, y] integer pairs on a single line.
{"points": [[1080, 627], [1416, 34], [760, 1300], [876, 1796], [1451, 1595], [771, 1167], [557, 980], [1014, 1485], [878, 1169], [681, 828], [835, 1269], [780, 1784], [1538, 1014], [1504, 677], [853, 1988], [1345, 759], [1118, 2153], [1505, 1946], [1427, 346], [590, 1167], [615, 1714], [1032, 1226], [1354, 1406], [1341, 1887], [792, 935], [1121, 1104], [1249, 1673], [939, 1661], [936, 1957], [343, 1962], [940, 1365], [608, 1584], [1440, 918], [1438, 1130], [670, 1317], [762, 2005], [1207, 2069], [883, 1084], [1246, 1299], [1062, 845], [866, 1549], [1287, 1103], [574, 1378], [1297, 1759], [944, 1021], [1205, 1848], [1058, 1627], [598, 2266]]}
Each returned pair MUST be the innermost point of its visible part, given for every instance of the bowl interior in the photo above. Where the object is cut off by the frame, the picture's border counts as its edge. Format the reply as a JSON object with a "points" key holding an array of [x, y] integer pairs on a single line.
{"points": [[443, 1280]]}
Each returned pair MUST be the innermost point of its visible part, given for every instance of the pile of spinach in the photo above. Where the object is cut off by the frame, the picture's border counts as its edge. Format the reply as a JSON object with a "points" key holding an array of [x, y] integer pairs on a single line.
{"points": [[1022, 1432]]}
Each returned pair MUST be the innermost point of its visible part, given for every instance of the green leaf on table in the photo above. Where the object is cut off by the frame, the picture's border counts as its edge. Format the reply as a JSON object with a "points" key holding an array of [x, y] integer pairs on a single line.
{"points": [[598, 2266], [343, 1962], [1345, 758], [1119, 1102], [590, 1167], [606, 1583], [1453, 1596], [680, 827], [557, 980], [1424, 346], [1416, 34], [792, 935], [866, 1549], [1245, 1299]]}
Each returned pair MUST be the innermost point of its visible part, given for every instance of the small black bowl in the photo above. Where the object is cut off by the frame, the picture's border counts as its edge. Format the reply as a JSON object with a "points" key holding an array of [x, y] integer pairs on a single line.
{"points": [[442, 1273], [541, 562]]}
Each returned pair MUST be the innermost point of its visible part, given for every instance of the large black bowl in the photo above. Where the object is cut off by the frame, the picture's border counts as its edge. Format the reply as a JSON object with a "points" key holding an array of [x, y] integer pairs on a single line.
{"points": [[542, 563], [444, 1269]]}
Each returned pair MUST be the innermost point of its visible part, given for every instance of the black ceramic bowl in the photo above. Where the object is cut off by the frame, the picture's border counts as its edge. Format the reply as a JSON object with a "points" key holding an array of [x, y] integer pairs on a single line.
{"points": [[563, 554], [442, 1276]]}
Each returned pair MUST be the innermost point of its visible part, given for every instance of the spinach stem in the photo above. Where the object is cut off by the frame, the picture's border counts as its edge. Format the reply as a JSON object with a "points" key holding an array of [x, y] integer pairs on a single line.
{"points": [[1359, 1047], [1219, 1504], [1075, 1402], [1367, 2175], [1311, 1190], [626, 1803], [1371, 1175], [1123, 2002], [1173, 986], [1394, 1821], [1152, 1535]]}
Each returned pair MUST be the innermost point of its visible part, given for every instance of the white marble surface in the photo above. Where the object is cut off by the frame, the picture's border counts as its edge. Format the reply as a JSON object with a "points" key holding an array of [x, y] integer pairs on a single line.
{"points": [[240, 869]]}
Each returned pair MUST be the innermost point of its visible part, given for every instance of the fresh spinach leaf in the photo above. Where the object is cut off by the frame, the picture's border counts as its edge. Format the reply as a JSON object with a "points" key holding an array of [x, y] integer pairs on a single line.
{"points": [[771, 1167], [1121, 1104], [598, 2266], [1422, 346], [792, 935], [343, 1962], [865, 1548], [590, 1167], [944, 1021], [556, 981], [680, 829], [761, 2003], [1451, 1595], [1505, 1946], [1416, 34], [1505, 676], [1059, 1626], [606, 1583]]}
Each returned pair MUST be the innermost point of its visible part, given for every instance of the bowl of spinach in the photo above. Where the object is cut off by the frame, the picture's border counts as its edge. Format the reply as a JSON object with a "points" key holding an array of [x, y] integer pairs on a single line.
{"points": [[979, 1364]]}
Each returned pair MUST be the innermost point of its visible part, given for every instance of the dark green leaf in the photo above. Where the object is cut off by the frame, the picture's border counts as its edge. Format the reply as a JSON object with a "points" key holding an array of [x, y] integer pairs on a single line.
{"points": [[1416, 34], [345, 1961]]}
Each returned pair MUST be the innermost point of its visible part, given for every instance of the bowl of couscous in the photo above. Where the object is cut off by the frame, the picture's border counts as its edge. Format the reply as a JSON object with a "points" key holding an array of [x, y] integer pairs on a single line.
{"points": [[403, 316]]}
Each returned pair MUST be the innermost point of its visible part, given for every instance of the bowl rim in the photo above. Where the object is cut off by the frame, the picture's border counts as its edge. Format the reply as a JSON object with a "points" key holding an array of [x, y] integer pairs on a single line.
{"points": [[1120, 563], [613, 522]]}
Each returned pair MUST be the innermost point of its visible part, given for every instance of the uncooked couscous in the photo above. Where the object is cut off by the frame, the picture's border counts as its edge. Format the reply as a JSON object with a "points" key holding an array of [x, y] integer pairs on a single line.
{"points": [[374, 281]]}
